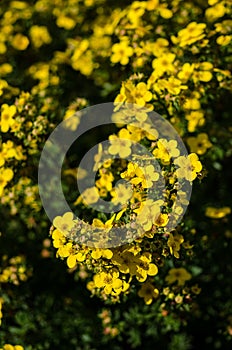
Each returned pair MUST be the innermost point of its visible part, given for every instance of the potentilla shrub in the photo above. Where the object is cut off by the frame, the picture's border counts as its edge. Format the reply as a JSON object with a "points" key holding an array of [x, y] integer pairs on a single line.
{"points": [[167, 57]]}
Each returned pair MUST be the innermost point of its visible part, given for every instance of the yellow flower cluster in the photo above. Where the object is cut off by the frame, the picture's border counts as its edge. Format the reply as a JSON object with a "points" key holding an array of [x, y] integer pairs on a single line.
{"points": [[117, 269], [15, 272], [11, 347], [127, 53]]}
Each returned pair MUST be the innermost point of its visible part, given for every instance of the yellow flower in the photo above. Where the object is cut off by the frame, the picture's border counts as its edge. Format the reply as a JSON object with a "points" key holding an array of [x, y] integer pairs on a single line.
{"points": [[108, 281], [152, 4], [65, 250], [98, 253], [199, 144], [130, 172], [141, 95], [148, 292], [159, 47], [193, 102], [164, 63], [148, 215], [179, 275], [121, 52], [71, 261], [166, 150], [138, 95], [145, 267], [65, 22], [64, 223], [224, 40], [164, 12], [172, 85], [105, 181], [195, 119], [186, 72], [189, 35], [203, 72], [40, 36], [217, 213], [10, 150], [146, 177], [107, 224], [6, 175], [19, 5], [58, 239], [8, 347], [161, 220], [7, 115], [3, 85], [121, 194], [119, 146], [125, 261], [215, 12], [83, 61], [20, 42], [174, 242], [5, 69], [90, 196], [224, 27], [188, 166]]}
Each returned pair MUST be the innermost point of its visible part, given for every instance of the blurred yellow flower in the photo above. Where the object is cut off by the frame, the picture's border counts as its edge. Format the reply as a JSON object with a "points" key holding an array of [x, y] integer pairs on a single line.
{"points": [[90, 195], [217, 213], [39, 36], [199, 144], [189, 35], [65, 22], [224, 40], [20, 42], [164, 63], [195, 119], [6, 175], [215, 12], [148, 292], [179, 275]]}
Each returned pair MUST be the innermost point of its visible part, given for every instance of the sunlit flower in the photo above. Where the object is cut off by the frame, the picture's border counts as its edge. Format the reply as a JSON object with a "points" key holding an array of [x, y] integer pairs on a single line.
{"points": [[7, 114], [188, 166], [146, 176], [109, 281], [121, 52], [64, 223], [119, 146]]}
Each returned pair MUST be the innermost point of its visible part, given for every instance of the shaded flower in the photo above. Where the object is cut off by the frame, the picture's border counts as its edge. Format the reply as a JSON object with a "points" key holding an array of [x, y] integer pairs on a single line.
{"points": [[148, 292]]}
